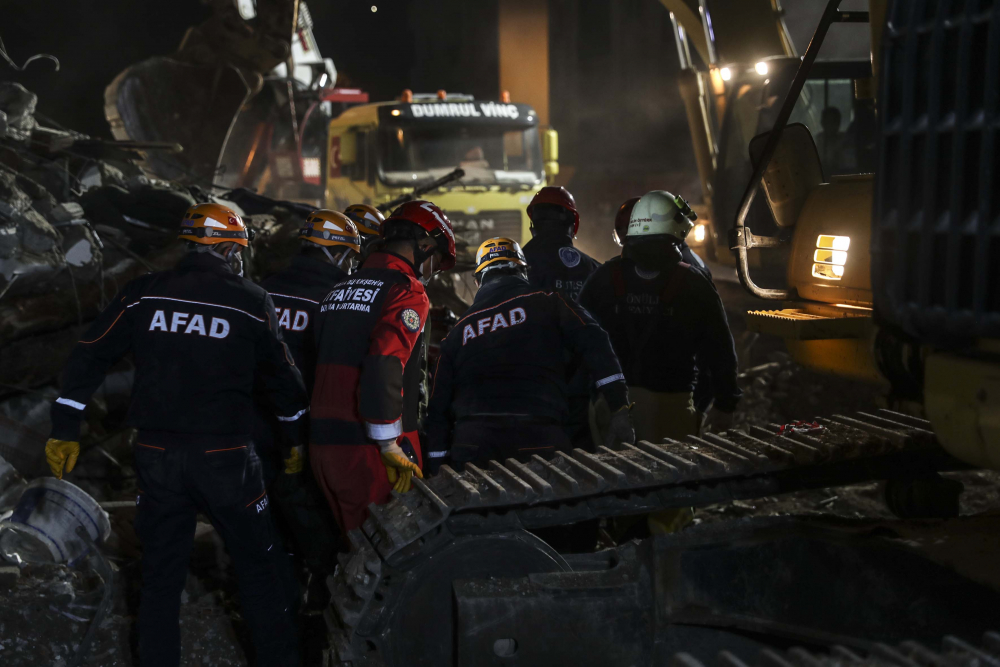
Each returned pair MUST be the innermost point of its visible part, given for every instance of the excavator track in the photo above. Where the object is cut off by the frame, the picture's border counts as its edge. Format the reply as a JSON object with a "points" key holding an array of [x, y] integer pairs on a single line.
{"points": [[954, 652], [504, 498]]}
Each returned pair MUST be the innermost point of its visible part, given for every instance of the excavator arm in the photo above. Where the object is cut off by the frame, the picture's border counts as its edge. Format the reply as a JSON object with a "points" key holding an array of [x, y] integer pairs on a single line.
{"points": [[193, 96]]}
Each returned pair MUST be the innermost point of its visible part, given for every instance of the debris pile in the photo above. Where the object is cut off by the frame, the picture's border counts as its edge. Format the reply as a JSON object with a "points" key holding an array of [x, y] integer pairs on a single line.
{"points": [[79, 219]]}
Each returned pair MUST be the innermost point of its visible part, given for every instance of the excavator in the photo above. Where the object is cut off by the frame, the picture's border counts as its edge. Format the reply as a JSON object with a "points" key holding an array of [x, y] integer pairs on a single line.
{"points": [[887, 268], [878, 242], [246, 95]]}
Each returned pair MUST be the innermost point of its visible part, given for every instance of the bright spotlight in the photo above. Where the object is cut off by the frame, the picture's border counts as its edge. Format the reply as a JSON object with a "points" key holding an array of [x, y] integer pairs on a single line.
{"points": [[761, 68], [726, 73], [699, 233], [374, 9]]}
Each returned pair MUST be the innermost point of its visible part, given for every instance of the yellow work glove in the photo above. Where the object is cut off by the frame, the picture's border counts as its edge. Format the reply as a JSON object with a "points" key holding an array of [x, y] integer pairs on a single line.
{"points": [[295, 461], [399, 468], [59, 453]]}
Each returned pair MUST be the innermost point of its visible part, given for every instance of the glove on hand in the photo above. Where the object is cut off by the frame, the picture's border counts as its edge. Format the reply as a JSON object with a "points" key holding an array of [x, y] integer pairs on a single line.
{"points": [[59, 453], [295, 461], [398, 467], [620, 428]]}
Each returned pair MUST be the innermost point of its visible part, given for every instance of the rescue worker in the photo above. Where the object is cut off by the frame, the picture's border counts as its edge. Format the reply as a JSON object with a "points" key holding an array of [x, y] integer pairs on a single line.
{"points": [[662, 314], [500, 384], [364, 404], [201, 337], [369, 221], [330, 247], [703, 396], [554, 265]]}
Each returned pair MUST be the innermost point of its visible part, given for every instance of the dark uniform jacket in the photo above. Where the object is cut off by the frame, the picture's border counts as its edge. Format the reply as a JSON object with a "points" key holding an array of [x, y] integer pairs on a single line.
{"points": [[658, 326], [369, 354], [297, 292], [200, 336], [505, 358], [554, 265]]}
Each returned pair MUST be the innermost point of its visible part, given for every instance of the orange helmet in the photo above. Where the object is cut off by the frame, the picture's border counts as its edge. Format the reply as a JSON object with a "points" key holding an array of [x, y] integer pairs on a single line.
{"points": [[213, 223], [499, 252], [368, 219], [330, 228]]}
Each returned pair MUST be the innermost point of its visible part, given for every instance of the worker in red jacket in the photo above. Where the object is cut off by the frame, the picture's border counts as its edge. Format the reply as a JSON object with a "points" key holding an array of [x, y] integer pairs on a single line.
{"points": [[369, 357]]}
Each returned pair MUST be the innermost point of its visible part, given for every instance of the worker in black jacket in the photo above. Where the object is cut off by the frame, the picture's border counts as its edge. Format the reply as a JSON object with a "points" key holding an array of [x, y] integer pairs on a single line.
{"points": [[662, 314], [703, 395], [330, 248], [200, 336], [554, 265], [499, 386]]}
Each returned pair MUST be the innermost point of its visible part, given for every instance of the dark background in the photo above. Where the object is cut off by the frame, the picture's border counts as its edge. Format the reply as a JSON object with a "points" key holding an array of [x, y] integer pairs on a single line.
{"points": [[613, 65]]}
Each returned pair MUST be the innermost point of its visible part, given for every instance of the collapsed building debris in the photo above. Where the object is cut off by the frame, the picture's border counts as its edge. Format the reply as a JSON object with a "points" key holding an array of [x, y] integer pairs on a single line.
{"points": [[78, 220]]}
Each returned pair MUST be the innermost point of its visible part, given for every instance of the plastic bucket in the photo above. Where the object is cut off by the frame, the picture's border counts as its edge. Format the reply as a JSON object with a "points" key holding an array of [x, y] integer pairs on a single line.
{"points": [[43, 525]]}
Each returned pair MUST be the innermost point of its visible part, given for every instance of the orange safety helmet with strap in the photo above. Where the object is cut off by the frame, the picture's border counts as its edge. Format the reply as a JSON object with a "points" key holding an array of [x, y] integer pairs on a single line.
{"points": [[331, 228], [210, 224], [368, 219], [559, 196]]}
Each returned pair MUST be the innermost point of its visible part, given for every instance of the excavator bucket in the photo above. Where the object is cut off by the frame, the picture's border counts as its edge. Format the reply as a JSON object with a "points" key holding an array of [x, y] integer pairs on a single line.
{"points": [[194, 105]]}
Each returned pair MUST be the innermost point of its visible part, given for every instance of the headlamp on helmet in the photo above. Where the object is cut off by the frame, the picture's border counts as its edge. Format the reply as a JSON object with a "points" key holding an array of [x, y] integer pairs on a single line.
{"points": [[660, 213]]}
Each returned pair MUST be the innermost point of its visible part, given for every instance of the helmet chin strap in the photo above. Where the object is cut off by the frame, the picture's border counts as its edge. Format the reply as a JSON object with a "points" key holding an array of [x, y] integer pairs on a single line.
{"points": [[338, 262], [236, 264], [419, 257]]}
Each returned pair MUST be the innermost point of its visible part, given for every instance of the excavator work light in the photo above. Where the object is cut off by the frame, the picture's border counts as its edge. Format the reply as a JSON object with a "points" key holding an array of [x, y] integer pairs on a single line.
{"points": [[830, 256]]}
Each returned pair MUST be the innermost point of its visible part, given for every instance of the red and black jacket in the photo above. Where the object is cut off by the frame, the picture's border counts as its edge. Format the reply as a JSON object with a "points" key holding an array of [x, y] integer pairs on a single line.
{"points": [[369, 352]]}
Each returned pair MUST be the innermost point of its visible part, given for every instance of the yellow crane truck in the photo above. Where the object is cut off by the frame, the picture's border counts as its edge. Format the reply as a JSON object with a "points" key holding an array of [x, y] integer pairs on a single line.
{"points": [[382, 151]]}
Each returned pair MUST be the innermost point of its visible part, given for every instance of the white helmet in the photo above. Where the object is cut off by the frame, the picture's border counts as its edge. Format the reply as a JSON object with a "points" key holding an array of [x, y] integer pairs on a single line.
{"points": [[659, 212]]}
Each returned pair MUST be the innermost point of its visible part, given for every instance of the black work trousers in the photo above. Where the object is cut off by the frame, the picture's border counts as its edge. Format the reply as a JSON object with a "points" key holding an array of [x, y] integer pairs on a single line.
{"points": [[302, 515], [225, 484], [479, 440]]}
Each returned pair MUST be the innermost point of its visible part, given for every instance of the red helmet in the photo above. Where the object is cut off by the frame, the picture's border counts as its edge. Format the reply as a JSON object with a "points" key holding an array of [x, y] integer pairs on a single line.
{"points": [[430, 218], [622, 218], [559, 196]]}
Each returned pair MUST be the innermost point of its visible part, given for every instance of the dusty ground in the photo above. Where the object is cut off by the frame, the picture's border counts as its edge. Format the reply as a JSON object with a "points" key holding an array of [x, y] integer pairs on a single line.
{"points": [[45, 611]]}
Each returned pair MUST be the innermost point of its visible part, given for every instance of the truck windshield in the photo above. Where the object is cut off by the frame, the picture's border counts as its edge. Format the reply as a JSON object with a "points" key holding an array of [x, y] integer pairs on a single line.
{"points": [[489, 154]]}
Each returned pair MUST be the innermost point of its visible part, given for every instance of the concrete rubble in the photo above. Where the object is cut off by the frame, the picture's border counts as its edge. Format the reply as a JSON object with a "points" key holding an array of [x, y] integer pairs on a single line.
{"points": [[78, 219]]}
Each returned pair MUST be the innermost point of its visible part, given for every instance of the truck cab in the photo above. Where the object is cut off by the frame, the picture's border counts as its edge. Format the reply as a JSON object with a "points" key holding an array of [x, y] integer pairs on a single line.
{"points": [[379, 151]]}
